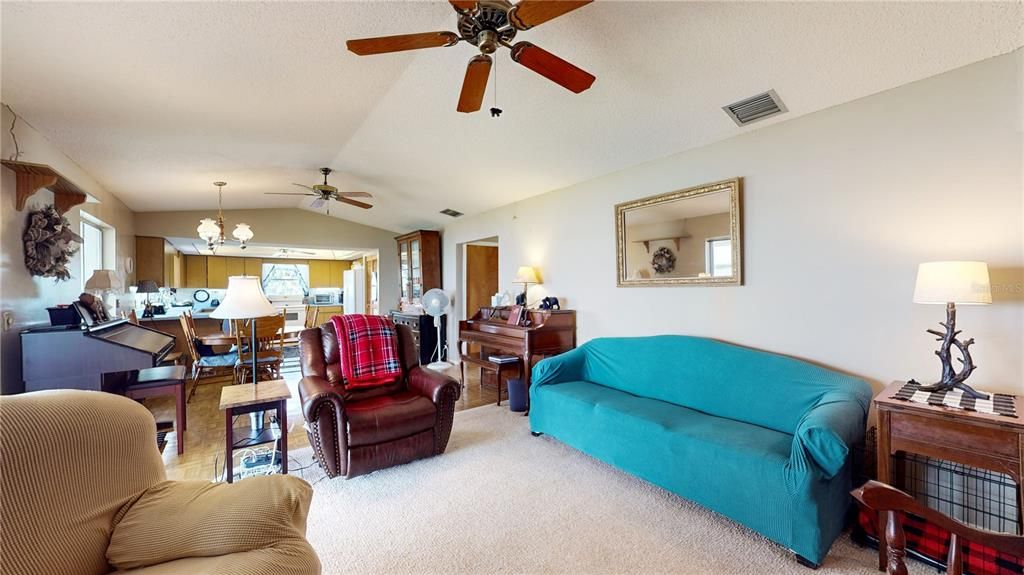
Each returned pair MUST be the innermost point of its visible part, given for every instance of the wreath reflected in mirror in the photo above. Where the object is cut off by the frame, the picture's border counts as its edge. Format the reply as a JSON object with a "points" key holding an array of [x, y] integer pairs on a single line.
{"points": [[49, 243], [663, 261]]}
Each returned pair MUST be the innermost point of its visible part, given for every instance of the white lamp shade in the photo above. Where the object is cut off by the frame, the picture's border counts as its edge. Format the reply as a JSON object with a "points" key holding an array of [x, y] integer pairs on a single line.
{"points": [[244, 300], [242, 233], [953, 282], [104, 279], [208, 229], [526, 275]]}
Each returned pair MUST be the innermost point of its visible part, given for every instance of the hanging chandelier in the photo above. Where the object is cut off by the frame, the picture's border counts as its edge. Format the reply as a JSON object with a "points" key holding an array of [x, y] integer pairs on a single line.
{"points": [[212, 231]]}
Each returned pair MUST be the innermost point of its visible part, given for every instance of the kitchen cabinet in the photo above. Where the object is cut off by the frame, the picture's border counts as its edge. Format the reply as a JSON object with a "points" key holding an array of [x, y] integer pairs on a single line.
{"points": [[195, 271], [320, 274], [235, 266], [216, 272], [338, 268], [419, 260], [157, 260], [253, 267]]}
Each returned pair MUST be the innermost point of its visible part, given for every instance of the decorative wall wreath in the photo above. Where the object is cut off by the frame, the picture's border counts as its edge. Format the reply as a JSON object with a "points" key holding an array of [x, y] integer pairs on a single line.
{"points": [[49, 243], [663, 261]]}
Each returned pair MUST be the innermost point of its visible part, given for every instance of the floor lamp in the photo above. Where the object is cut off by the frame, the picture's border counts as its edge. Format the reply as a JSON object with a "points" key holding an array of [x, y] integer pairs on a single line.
{"points": [[245, 300]]}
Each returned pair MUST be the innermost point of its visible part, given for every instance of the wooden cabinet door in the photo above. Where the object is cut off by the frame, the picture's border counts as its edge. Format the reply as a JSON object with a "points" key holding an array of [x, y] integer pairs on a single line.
{"points": [[149, 259], [235, 266], [319, 273], [216, 272], [253, 267], [195, 271]]}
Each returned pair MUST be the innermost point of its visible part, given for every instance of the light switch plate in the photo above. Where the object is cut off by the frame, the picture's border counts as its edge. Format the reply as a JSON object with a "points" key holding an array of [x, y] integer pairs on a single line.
{"points": [[8, 320]]}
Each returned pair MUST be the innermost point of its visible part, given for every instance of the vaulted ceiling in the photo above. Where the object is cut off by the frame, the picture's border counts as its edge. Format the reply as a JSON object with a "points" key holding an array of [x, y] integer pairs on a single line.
{"points": [[158, 100]]}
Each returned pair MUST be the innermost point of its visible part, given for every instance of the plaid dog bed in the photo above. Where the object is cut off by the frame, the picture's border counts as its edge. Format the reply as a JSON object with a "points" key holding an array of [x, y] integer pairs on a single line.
{"points": [[933, 542], [369, 350]]}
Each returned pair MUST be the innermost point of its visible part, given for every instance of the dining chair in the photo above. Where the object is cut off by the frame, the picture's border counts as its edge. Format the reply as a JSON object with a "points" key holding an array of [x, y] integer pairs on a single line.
{"points": [[204, 364], [269, 347], [894, 503]]}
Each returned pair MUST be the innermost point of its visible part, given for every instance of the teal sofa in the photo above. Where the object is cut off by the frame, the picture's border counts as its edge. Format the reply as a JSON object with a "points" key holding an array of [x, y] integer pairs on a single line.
{"points": [[758, 437]]}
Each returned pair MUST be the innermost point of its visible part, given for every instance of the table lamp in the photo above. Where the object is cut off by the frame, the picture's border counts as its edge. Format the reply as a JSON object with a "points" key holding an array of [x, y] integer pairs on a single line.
{"points": [[147, 287], [526, 275], [952, 283], [245, 300]]}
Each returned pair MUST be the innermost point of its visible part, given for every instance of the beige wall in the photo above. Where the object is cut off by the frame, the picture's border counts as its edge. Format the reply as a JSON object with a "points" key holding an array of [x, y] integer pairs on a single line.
{"points": [[292, 228], [840, 207], [27, 297]]}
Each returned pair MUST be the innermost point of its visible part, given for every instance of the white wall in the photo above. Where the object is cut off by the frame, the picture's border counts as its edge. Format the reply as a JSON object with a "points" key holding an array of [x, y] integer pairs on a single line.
{"points": [[26, 297], [839, 208]]}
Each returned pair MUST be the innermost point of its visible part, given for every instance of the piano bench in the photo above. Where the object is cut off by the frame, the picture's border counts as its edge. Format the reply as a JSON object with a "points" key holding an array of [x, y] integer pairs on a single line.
{"points": [[489, 366], [152, 382], [173, 358]]}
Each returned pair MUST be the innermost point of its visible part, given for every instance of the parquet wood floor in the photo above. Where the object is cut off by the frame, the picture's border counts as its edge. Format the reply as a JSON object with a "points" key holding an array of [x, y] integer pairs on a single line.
{"points": [[204, 440]]}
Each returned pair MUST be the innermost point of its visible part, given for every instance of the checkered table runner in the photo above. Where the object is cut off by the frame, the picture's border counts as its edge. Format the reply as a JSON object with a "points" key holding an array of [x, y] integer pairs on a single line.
{"points": [[997, 404]]}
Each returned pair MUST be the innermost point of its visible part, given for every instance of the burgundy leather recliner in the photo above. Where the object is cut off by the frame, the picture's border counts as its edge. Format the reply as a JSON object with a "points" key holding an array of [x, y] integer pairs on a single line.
{"points": [[354, 432]]}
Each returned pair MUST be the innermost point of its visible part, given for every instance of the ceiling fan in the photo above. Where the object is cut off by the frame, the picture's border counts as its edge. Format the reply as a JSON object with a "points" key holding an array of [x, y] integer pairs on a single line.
{"points": [[488, 25], [286, 252], [324, 192]]}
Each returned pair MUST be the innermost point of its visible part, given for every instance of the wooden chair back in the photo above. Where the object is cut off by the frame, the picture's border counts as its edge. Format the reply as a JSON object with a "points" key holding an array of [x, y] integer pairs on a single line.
{"points": [[893, 502], [310, 322], [269, 335], [190, 335]]}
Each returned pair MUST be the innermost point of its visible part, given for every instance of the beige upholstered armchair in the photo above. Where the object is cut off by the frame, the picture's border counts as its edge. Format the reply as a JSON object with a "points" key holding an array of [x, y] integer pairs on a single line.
{"points": [[83, 490]]}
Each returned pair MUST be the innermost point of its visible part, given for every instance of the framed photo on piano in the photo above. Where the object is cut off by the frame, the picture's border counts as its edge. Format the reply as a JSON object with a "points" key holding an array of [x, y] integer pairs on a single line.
{"points": [[515, 315]]}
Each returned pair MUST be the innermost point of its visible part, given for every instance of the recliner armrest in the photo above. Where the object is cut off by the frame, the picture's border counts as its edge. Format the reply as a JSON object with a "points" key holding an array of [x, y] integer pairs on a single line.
{"points": [[432, 384], [314, 390]]}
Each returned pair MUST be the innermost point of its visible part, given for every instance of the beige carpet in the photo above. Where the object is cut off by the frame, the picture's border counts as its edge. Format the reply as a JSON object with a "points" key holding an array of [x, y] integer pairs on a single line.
{"points": [[502, 501]]}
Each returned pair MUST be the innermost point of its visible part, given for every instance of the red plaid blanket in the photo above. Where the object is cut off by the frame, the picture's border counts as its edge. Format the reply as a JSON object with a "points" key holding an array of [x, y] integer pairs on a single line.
{"points": [[369, 349]]}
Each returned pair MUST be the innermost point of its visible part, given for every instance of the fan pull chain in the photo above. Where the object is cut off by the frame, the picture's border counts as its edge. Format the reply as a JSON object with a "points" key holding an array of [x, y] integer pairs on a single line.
{"points": [[495, 111]]}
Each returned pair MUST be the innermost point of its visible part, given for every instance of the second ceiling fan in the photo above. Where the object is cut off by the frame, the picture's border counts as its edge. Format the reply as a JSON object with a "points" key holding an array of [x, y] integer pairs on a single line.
{"points": [[325, 192], [488, 25]]}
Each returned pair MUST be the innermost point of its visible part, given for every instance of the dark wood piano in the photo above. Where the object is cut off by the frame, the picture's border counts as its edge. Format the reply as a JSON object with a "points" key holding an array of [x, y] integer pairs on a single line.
{"points": [[548, 332], [75, 357]]}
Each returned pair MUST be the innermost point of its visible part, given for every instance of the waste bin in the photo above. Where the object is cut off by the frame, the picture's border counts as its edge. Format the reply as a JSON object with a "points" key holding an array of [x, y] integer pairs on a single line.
{"points": [[516, 395]]}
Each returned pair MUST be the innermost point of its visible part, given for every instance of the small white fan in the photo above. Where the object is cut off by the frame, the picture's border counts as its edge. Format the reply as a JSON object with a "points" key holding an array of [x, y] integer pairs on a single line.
{"points": [[435, 302]]}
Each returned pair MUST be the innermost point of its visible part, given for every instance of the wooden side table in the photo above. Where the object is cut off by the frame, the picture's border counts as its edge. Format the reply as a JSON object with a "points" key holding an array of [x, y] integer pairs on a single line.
{"points": [[248, 398], [152, 382], [991, 442]]}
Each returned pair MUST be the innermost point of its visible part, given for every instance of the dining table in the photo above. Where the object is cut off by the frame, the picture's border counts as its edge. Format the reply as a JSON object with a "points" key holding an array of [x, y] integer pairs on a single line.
{"points": [[229, 338]]}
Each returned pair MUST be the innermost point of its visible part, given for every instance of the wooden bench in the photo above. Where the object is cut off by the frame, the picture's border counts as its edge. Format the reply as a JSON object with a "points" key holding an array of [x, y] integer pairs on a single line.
{"points": [[480, 360]]}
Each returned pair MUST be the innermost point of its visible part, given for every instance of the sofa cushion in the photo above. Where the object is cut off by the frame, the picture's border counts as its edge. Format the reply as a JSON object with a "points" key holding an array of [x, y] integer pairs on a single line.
{"points": [[387, 417], [714, 377]]}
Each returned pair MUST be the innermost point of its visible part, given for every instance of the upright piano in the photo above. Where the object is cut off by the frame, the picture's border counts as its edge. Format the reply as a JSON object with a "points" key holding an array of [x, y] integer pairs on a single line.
{"points": [[546, 332], [74, 357]]}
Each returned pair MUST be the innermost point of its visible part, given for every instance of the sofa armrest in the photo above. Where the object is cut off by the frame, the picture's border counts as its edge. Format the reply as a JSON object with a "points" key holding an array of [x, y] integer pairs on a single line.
{"points": [[433, 384], [179, 519], [829, 429], [568, 366]]}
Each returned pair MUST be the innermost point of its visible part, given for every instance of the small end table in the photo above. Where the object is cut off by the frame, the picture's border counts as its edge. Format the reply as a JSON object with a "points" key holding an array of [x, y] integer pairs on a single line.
{"points": [[152, 382], [248, 398]]}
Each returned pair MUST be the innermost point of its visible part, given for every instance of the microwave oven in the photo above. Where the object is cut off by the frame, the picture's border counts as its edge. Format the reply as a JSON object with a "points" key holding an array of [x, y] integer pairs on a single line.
{"points": [[322, 298]]}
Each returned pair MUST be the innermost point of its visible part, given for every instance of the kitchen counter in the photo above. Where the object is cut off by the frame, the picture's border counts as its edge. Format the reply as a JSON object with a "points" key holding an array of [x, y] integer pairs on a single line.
{"points": [[173, 313]]}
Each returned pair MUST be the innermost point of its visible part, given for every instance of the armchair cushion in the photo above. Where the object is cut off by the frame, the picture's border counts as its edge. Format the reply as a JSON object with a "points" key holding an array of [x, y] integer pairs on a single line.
{"points": [[182, 519], [389, 417]]}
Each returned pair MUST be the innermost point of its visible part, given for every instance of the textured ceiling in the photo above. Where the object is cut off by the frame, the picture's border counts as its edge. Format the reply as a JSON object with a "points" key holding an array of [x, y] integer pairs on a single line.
{"points": [[157, 100]]}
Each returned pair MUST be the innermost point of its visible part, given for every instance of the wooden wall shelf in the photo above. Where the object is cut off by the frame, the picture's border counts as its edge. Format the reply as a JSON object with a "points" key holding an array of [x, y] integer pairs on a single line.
{"points": [[33, 177], [647, 243]]}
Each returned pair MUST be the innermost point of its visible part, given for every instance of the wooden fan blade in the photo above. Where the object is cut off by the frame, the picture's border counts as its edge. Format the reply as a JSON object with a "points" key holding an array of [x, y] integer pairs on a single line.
{"points": [[463, 5], [355, 203], [287, 194], [529, 13], [304, 186], [475, 84], [552, 67], [385, 44], [355, 194], [317, 203]]}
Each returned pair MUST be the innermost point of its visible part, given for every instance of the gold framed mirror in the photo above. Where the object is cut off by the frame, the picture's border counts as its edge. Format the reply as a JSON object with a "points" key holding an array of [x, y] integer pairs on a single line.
{"points": [[686, 237]]}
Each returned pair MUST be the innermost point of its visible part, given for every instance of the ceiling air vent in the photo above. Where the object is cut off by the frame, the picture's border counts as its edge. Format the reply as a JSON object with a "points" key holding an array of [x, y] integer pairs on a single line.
{"points": [[451, 212], [755, 108]]}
